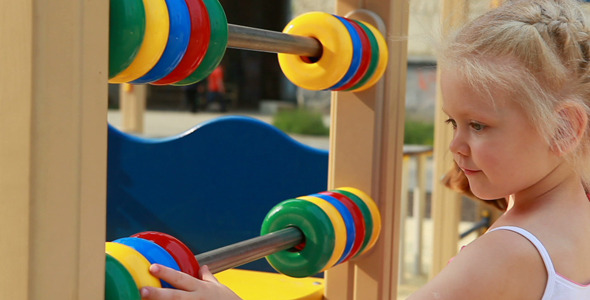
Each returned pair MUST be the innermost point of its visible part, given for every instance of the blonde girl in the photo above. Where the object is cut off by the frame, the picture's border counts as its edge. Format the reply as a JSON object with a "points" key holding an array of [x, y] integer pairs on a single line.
{"points": [[516, 89]]}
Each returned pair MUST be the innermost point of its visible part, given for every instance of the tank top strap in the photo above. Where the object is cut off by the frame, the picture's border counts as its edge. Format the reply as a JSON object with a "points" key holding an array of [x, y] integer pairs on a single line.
{"points": [[540, 248]]}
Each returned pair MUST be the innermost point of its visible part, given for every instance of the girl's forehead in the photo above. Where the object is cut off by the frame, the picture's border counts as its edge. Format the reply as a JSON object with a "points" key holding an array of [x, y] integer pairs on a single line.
{"points": [[459, 97]]}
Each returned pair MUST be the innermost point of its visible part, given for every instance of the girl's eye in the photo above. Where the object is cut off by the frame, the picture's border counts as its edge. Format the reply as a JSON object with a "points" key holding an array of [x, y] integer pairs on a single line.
{"points": [[477, 126], [452, 122]]}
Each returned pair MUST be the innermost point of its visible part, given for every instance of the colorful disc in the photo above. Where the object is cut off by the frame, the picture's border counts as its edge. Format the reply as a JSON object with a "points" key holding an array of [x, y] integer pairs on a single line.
{"points": [[365, 57], [337, 53], [366, 216], [180, 32], [181, 253], [319, 234], [359, 222], [154, 253], [349, 223], [137, 265], [198, 46], [126, 31], [374, 56], [157, 28], [217, 44], [119, 284], [374, 212], [357, 51], [339, 228], [383, 59]]}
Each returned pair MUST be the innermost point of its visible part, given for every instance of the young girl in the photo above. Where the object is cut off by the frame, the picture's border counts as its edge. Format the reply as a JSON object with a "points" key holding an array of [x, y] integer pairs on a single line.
{"points": [[516, 89]]}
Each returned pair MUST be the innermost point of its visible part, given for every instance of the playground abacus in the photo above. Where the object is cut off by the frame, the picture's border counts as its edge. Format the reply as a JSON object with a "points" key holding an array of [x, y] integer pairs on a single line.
{"points": [[299, 237], [180, 42]]}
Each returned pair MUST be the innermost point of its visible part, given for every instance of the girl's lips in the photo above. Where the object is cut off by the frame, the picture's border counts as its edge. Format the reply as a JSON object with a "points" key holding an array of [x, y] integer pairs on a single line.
{"points": [[469, 172]]}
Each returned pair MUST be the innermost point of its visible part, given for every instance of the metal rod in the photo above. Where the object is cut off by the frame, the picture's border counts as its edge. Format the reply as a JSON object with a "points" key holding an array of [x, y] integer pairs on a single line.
{"points": [[484, 222], [250, 250], [242, 37]]}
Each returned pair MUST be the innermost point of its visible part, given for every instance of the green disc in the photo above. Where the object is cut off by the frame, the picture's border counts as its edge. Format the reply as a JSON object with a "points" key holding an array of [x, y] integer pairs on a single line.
{"points": [[217, 44], [119, 285], [127, 28], [374, 57], [317, 229]]}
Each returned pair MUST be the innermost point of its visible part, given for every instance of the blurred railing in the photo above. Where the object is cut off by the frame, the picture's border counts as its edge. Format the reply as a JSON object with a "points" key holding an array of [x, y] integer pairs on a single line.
{"points": [[415, 158]]}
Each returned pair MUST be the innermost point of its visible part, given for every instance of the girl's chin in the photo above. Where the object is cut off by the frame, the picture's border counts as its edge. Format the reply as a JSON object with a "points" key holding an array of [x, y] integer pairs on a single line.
{"points": [[485, 194]]}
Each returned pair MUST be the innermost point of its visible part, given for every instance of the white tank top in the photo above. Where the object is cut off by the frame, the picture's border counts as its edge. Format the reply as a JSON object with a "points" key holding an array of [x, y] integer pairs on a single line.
{"points": [[558, 287]]}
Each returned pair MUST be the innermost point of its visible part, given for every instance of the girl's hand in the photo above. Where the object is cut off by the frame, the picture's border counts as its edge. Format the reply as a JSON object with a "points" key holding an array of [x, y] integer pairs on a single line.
{"points": [[188, 287]]}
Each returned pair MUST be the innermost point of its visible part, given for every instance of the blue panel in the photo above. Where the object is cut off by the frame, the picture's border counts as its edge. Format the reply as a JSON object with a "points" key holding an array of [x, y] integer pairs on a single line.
{"points": [[211, 186]]}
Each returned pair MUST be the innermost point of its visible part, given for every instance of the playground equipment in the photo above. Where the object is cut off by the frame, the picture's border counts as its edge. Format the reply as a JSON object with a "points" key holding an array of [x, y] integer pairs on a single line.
{"points": [[53, 156], [299, 237], [170, 42], [346, 54]]}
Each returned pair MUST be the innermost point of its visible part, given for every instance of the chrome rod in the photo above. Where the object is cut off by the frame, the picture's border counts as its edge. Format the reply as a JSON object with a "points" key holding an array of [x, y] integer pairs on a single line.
{"points": [[250, 250], [248, 38]]}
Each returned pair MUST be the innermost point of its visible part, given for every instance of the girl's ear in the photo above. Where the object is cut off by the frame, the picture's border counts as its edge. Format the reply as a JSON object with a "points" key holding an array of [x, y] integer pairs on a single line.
{"points": [[571, 128]]}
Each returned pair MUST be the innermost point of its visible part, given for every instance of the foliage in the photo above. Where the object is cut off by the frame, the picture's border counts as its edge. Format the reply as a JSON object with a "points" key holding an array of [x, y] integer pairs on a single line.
{"points": [[419, 133], [307, 122], [300, 121]]}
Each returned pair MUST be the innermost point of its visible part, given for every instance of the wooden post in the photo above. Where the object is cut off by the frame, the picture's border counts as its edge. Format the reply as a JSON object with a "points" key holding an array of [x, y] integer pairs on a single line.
{"points": [[446, 204], [419, 210], [53, 145], [403, 215], [366, 149], [132, 99]]}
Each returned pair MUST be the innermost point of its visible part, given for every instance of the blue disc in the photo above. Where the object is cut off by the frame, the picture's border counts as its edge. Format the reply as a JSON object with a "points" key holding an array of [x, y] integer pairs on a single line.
{"points": [[153, 252], [178, 39], [348, 222], [357, 52]]}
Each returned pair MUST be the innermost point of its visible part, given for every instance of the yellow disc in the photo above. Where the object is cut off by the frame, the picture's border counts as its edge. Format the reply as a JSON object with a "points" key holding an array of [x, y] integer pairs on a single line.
{"points": [[157, 29], [336, 55], [383, 59], [374, 213], [135, 263], [339, 228]]}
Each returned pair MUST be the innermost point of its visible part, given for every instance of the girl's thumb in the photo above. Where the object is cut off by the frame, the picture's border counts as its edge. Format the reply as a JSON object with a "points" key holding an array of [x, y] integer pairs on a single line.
{"points": [[207, 275]]}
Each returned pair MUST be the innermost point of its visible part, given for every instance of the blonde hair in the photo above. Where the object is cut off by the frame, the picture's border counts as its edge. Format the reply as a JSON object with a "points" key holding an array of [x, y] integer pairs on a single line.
{"points": [[538, 51]]}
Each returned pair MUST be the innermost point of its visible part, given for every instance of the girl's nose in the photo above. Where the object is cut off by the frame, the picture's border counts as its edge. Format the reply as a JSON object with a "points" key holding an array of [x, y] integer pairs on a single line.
{"points": [[458, 145]]}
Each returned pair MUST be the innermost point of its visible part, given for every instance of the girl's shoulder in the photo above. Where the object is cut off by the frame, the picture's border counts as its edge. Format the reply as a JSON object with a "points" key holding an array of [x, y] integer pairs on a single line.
{"points": [[497, 265]]}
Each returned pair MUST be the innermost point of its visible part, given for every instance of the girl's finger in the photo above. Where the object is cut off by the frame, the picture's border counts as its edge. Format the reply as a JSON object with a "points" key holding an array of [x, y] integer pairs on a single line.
{"points": [[164, 294], [177, 279], [207, 275]]}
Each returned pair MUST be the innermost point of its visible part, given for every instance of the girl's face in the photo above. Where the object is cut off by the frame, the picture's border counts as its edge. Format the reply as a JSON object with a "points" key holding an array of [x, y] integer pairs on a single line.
{"points": [[496, 146]]}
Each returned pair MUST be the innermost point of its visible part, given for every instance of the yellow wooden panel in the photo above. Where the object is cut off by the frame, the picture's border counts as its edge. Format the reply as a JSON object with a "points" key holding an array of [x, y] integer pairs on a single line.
{"points": [[253, 285], [366, 152], [53, 148], [446, 204]]}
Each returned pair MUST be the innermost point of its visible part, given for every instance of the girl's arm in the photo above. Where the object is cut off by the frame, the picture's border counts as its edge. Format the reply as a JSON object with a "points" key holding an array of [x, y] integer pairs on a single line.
{"points": [[188, 287], [498, 265]]}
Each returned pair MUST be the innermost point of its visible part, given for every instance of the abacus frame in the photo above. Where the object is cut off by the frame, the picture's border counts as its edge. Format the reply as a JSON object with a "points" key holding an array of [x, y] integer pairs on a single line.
{"points": [[53, 91]]}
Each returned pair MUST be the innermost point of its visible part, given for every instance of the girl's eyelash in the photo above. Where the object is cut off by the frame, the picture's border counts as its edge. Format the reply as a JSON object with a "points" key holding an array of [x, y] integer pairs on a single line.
{"points": [[474, 125], [452, 122]]}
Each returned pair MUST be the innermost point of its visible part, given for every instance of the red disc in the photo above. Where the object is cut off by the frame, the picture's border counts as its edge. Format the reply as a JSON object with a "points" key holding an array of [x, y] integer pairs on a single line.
{"points": [[197, 46], [359, 222], [181, 253], [365, 57]]}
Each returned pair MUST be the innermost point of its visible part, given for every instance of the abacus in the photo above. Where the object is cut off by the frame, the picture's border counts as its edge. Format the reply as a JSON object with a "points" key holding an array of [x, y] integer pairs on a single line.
{"points": [[300, 237], [55, 145], [181, 42]]}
